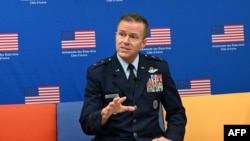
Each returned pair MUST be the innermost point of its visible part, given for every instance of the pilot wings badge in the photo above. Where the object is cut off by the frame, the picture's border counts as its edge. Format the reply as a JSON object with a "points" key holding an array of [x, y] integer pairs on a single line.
{"points": [[152, 70]]}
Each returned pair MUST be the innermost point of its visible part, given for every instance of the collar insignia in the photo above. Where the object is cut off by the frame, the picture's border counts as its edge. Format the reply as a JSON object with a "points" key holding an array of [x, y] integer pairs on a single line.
{"points": [[142, 67]]}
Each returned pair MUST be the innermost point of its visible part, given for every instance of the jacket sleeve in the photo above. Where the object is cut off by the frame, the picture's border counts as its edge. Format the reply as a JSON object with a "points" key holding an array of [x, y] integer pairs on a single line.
{"points": [[90, 117], [175, 112]]}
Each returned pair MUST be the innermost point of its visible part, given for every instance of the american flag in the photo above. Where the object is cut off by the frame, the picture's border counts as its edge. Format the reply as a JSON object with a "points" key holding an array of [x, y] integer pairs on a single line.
{"points": [[228, 34], [159, 37], [42, 94], [78, 39], [8, 42], [196, 87]]}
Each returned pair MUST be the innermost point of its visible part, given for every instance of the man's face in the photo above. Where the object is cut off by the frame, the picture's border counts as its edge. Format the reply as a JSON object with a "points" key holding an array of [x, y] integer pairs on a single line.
{"points": [[130, 39]]}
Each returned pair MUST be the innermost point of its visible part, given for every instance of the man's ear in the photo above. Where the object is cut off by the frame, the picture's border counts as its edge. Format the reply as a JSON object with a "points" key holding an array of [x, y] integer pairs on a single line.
{"points": [[143, 43]]}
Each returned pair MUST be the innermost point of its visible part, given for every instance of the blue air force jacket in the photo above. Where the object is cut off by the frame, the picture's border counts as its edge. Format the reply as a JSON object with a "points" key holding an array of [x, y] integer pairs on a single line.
{"points": [[154, 87]]}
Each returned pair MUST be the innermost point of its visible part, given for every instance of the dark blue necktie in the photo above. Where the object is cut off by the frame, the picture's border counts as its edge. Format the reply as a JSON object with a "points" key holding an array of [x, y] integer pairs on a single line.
{"points": [[131, 78]]}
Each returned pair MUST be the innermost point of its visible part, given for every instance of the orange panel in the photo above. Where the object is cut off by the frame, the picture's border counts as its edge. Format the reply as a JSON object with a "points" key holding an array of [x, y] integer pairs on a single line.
{"points": [[207, 115], [22, 122]]}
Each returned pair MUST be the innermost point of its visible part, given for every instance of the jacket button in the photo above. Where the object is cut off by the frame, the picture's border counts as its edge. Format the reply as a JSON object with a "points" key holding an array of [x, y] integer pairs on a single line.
{"points": [[135, 107], [135, 135], [134, 121]]}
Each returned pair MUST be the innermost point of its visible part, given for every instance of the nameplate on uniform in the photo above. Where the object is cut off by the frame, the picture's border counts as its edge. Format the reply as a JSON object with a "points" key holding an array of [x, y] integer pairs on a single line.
{"points": [[111, 95]]}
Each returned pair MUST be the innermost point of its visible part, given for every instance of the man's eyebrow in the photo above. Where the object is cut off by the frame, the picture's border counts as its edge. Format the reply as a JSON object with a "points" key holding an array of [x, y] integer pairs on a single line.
{"points": [[133, 33]]}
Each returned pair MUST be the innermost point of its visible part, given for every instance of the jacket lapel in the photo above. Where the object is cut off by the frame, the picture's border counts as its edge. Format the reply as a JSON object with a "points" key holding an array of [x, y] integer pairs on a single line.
{"points": [[143, 76]]}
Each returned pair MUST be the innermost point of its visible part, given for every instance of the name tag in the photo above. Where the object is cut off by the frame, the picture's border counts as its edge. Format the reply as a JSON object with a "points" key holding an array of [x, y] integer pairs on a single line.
{"points": [[107, 96]]}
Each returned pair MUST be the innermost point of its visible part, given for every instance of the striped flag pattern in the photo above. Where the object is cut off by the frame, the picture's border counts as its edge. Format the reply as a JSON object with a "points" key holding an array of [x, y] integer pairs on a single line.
{"points": [[42, 94], [8, 42], [228, 34], [196, 87], [159, 37], [78, 39]]}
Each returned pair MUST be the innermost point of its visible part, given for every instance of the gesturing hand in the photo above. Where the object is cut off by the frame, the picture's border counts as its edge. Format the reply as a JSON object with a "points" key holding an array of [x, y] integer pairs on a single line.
{"points": [[115, 107]]}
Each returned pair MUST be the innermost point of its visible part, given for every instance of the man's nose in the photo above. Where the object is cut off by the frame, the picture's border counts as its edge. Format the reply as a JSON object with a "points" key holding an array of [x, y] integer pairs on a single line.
{"points": [[126, 39]]}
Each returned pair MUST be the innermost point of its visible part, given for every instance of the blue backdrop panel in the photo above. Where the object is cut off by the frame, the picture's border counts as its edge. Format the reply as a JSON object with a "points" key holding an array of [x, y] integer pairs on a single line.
{"points": [[68, 127], [36, 54]]}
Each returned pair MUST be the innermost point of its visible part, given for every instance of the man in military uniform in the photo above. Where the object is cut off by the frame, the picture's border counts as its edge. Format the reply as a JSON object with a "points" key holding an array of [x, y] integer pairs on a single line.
{"points": [[124, 92]]}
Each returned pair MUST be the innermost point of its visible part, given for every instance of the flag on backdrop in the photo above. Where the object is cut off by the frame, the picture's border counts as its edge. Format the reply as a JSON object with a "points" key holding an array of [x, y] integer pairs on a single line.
{"points": [[159, 37], [8, 42], [78, 39], [195, 87], [227, 34], [42, 94]]}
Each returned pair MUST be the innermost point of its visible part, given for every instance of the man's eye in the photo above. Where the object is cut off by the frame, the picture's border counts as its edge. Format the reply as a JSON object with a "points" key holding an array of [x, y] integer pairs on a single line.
{"points": [[133, 37], [122, 34]]}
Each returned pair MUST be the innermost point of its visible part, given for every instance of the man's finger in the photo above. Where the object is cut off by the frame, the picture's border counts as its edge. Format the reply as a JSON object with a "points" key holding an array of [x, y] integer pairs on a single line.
{"points": [[128, 108], [122, 99]]}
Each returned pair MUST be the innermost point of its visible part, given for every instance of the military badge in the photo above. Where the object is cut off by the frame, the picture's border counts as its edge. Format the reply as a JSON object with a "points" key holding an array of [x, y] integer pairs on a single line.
{"points": [[155, 104], [154, 83], [152, 70]]}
